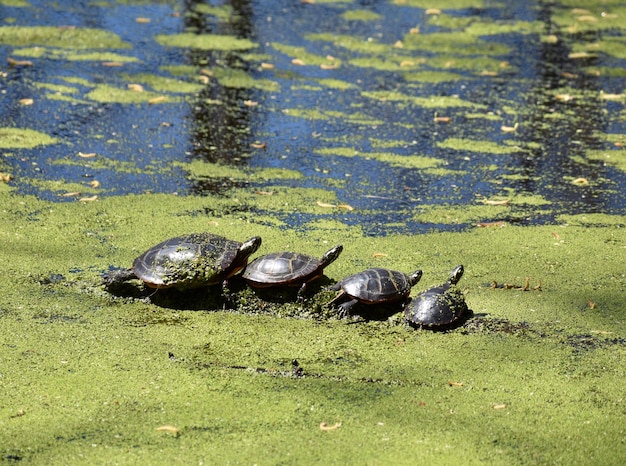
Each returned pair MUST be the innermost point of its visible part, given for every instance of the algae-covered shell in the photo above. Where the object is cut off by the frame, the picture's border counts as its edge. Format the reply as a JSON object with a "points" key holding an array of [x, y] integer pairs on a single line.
{"points": [[439, 307], [190, 261]]}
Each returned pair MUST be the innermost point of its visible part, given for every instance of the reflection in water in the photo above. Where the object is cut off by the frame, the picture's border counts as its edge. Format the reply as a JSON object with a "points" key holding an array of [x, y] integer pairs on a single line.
{"points": [[220, 119]]}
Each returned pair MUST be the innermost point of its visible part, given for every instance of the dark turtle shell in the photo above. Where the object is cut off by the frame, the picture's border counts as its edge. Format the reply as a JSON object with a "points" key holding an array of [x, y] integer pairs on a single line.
{"points": [[288, 268], [440, 307], [191, 261], [374, 286]]}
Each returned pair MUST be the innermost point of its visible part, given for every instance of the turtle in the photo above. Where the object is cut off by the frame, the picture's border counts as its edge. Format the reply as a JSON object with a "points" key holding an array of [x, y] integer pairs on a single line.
{"points": [[374, 286], [190, 261], [288, 268], [439, 307]]}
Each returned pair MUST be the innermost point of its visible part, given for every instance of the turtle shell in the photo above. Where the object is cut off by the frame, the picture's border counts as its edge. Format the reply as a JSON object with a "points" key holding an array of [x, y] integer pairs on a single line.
{"points": [[194, 260], [288, 268], [439, 307], [378, 285]]}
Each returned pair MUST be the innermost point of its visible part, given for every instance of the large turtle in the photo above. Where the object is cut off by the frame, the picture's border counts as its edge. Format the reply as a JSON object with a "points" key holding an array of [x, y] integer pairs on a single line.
{"points": [[190, 261], [288, 268], [440, 307], [374, 286]]}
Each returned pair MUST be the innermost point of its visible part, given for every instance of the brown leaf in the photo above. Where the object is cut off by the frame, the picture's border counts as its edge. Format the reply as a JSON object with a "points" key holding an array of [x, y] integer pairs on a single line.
{"points": [[14, 62], [335, 426], [157, 100]]}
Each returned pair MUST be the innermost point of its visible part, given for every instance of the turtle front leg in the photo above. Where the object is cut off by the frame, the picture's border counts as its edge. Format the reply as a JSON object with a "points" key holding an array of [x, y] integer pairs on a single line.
{"points": [[346, 308], [300, 295], [117, 277]]}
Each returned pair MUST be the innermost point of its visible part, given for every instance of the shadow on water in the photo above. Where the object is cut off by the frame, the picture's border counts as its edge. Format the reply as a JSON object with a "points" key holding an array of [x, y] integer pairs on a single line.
{"points": [[415, 121]]}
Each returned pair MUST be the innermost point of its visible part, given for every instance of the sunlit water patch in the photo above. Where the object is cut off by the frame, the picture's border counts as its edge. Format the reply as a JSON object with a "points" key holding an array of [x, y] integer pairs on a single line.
{"points": [[392, 116]]}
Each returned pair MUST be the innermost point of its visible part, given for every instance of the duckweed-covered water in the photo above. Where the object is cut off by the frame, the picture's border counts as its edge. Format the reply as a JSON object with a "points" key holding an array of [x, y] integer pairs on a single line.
{"points": [[391, 115], [379, 125]]}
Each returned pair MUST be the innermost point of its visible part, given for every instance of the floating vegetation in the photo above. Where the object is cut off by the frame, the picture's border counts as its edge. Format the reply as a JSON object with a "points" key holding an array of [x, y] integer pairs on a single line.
{"points": [[23, 138], [470, 145], [61, 37], [205, 41]]}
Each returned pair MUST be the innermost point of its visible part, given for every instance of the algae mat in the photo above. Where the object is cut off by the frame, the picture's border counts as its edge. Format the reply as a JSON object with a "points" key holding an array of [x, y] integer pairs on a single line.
{"points": [[535, 377]]}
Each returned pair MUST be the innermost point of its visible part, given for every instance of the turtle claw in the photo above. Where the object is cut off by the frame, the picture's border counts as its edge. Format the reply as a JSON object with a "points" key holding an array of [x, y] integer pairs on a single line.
{"points": [[300, 295], [345, 308]]}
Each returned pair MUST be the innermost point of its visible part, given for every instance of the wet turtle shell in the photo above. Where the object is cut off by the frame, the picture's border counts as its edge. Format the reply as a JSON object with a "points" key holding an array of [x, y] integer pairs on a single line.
{"points": [[440, 307], [190, 261], [374, 286], [288, 268]]}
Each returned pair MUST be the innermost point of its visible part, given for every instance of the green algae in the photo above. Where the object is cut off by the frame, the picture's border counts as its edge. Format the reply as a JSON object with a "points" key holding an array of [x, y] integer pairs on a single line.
{"points": [[586, 17], [229, 77], [163, 84], [15, 3], [426, 102], [218, 42], [75, 393], [336, 84], [110, 164], [485, 146], [24, 138], [65, 38], [61, 187], [449, 5], [301, 53], [60, 88], [597, 220], [355, 44], [432, 76], [106, 93], [222, 12], [360, 15], [70, 55], [281, 199], [613, 46], [408, 161], [448, 43], [201, 169], [458, 215], [615, 158], [388, 63]]}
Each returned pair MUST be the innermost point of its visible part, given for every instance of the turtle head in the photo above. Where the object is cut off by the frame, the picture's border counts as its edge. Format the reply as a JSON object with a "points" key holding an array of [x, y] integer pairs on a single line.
{"points": [[331, 255], [415, 277], [456, 275], [249, 247]]}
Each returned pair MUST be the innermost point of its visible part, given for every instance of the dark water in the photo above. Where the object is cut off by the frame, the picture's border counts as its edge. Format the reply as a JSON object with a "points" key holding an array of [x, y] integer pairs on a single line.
{"points": [[552, 96]]}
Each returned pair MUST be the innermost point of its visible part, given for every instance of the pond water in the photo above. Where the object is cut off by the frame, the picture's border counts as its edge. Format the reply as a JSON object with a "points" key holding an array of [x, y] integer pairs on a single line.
{"points": [[387, 114]]}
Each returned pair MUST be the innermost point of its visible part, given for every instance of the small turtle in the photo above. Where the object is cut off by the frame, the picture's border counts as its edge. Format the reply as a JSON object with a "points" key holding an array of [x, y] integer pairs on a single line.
{"points": [[288, 268], [374, 286], [440, 307], [190, 261]]}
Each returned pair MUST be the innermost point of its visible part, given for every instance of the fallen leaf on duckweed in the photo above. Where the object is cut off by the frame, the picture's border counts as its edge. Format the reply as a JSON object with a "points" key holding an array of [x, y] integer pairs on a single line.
{"points": [[14, 62], [157, 100], [175, 431], [335, 426]]}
